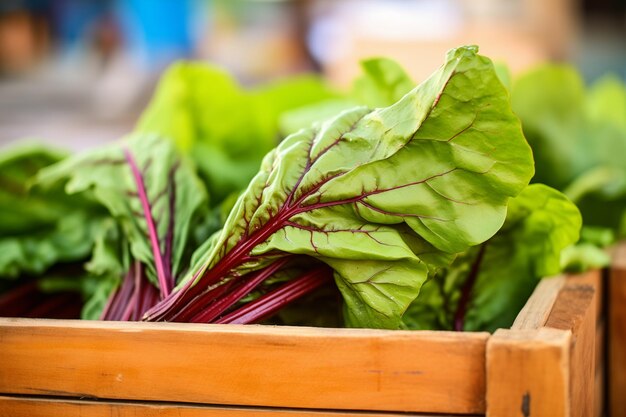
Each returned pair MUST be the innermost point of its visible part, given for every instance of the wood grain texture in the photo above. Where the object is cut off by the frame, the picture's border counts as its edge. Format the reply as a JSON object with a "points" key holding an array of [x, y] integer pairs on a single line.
{"points": [[599, 387], [601, 369], [536, 310], [617, 333], [594, 279], [528, 373], [575, 311], [43, 407], [350, 369]]}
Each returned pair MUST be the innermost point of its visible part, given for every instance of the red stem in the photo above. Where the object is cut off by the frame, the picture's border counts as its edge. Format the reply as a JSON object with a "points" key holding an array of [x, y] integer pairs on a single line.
{"points": [[219, 306], [164, 276], [466, 290], [133, 302], [273, 301], [209, 294]]}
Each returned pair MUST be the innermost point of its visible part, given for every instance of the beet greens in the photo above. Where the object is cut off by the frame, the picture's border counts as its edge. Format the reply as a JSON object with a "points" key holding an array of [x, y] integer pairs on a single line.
{"points": [[485, 287], [155, 196], [427, 195], [375, 195]]}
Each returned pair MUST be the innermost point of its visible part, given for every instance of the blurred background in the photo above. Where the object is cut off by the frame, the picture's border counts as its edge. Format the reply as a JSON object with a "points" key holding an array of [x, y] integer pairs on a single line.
{"points": [[79, 72]]}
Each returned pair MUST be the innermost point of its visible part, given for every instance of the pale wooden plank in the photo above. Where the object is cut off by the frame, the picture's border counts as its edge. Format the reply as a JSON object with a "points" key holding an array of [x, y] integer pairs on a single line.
{"points": [[536, 310], [617, 333], [575, 311], [352, 369], [528, 373], [48, 407]]}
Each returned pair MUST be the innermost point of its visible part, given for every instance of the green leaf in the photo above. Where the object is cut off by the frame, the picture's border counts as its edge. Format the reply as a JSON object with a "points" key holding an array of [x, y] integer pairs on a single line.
{"points": [[590, 251], [583, 257], [435, 307], [39, 228], [602, 237], [153, 194], [606, 101], [578, 135], [540, 224], [21, 212], [70, 239], [442, 162], [97, 290], [549, 100], [110, 254]]}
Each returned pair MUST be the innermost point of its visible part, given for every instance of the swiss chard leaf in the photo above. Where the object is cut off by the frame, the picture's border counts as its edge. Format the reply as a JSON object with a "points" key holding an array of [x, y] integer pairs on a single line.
{"points": [[153, 194], [441, 163], [503, 271]]}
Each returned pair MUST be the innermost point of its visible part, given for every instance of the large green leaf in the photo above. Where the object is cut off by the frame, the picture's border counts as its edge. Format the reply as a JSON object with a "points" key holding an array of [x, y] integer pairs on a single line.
{"points": [[541, 223], [153, 193], [442, 163]]}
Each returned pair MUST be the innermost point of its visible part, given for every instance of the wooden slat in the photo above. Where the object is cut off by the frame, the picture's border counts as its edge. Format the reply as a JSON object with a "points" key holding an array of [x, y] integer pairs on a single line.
{"points": [[599, 393], [594, 278], [536, 310], [617, 333], [45, 407], [600, 368], [528, 373], [600, 346], [351, 369], [549, 371], [575, 311]]}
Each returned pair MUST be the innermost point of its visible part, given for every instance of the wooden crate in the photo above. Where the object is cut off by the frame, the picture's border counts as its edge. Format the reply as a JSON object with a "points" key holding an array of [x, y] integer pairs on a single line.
{"points": [[545, 365], [616, 315]]}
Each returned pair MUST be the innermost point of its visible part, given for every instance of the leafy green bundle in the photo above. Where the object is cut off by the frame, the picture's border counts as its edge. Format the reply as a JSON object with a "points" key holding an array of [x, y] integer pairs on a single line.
{"points": [[457, 155], [410, 204], [127, 227]]}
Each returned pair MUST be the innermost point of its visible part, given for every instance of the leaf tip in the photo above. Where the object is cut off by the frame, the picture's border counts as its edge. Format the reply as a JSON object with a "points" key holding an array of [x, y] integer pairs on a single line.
{"points": [[462, 51]]}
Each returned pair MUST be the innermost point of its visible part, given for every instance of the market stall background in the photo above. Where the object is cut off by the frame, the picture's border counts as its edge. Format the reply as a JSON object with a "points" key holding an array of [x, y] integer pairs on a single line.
{"points": [[77, 73]]}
